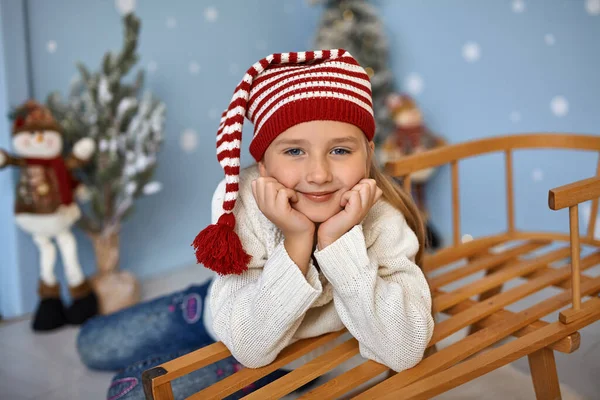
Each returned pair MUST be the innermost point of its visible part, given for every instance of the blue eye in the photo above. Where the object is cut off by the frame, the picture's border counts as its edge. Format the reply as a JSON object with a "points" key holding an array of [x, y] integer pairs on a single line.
{"points": [[294, 152], [340, 152]]}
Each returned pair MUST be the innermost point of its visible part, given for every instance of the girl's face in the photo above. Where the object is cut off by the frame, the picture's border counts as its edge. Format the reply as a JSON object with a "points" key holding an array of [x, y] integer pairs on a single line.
{"points": [[320, 160]]}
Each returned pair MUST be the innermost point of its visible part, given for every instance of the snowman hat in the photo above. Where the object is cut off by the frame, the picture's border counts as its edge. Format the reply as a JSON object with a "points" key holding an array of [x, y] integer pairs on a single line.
{"points": [[33, 116]]}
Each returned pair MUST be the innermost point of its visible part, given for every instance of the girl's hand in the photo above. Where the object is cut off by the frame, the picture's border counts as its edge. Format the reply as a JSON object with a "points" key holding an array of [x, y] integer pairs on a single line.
{"points": [[274, 200], [356, 203]]}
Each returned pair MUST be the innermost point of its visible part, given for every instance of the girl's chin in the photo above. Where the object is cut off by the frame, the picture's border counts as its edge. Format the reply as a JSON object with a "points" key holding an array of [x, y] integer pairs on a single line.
{"points": [[319, 216]]}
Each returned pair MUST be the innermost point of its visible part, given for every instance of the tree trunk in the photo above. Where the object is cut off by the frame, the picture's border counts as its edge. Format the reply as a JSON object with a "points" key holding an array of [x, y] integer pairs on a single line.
{"points": [[106, 247], [115, 289]]}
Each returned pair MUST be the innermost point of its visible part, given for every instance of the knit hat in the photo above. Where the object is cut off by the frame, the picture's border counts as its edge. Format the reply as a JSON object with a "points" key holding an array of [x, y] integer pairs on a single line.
{"points": [[33, 116], [276, 93]]}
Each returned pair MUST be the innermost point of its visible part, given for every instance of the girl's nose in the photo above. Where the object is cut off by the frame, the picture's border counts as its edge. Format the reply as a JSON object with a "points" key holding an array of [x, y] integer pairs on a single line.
{"points": [[39, 137], [319, 172]]}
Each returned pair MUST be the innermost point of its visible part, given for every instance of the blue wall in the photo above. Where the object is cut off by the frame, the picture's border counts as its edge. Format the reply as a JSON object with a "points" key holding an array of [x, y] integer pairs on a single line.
{"points": [[193, 62], [9, 278]]}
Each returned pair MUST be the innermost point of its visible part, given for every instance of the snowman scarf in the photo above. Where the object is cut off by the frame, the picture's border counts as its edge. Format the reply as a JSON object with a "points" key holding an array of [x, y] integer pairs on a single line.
{"points": [[66, 183]]}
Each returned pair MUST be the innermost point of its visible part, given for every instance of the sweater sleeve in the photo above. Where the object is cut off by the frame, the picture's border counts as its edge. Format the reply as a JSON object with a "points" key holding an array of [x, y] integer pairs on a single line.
{"points": [[256, 314], [380, 294]]}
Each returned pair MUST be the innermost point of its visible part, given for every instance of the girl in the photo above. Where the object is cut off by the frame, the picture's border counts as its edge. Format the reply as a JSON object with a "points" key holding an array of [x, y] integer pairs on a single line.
{"points": [[323, 240]]}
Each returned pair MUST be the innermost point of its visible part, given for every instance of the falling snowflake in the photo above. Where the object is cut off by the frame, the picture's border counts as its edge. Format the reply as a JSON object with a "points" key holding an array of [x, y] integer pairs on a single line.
{"points": [[559, 106], [171, 22], [211, 14], [414, 84], [194, 68], [51, 46], [152, 66], [592, 7], [188, 140], [537, 175], [549, 39], [152, 188], [515, 116], [125, 6], [518, 6], [466, 238], [471, 52]]}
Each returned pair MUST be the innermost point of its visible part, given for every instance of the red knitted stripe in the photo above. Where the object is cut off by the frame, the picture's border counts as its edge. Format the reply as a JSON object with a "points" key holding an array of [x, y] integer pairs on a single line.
{"points": [[230, 137], [310, 55], [277, 58], [228, 205], [293, 59], [264, 63], [231, 187], [347, 59], [233, 153], [243, 86], [238, 118], [266, 110], [231, 170], [237, 103]]}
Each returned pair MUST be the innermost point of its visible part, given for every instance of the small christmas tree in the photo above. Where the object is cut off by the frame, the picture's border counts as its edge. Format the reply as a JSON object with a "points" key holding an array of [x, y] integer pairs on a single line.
{"points": [[128, 130], [354, 25]]}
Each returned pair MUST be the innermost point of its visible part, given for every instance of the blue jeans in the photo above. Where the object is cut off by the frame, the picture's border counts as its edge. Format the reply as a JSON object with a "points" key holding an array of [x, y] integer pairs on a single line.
{"points": [[148, 334]]}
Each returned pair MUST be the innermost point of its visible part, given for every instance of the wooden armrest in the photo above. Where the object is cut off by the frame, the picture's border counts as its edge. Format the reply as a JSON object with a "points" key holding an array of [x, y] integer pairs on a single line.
{"points": [[574, 193], [157, 381]]}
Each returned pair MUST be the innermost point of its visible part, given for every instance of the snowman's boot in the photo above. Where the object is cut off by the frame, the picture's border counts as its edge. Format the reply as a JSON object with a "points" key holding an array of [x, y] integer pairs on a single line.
{"points": [[50, 313], [85, 304]]}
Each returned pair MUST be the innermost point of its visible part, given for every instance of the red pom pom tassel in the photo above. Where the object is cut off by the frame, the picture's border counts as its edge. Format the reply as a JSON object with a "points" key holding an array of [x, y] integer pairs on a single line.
{"points": [[219, 248]]}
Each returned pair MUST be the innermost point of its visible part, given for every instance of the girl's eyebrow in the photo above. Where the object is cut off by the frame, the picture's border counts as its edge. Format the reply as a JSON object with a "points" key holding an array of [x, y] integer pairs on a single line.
{"points": [[345, 139], [292, 142]]}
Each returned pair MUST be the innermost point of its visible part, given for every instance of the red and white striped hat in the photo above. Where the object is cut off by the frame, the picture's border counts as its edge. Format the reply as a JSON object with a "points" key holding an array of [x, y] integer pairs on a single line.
{"points": [[276, 93]]}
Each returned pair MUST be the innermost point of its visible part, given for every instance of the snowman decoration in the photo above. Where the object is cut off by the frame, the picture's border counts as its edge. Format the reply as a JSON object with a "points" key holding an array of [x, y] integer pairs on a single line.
{"points": [[45, 208]]}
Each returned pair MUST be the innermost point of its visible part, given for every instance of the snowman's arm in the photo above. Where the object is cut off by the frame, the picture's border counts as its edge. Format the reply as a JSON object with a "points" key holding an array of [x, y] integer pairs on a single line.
{"points": [[81, 154], [6, 159], [73, 162]]}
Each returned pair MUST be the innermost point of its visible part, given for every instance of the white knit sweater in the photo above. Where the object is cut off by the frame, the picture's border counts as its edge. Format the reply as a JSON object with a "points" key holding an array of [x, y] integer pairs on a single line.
{"points": [[367, 283]]}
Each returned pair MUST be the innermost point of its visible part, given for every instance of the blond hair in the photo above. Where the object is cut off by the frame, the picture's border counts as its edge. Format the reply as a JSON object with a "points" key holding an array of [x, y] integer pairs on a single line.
{"points": [[399, 199]]}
